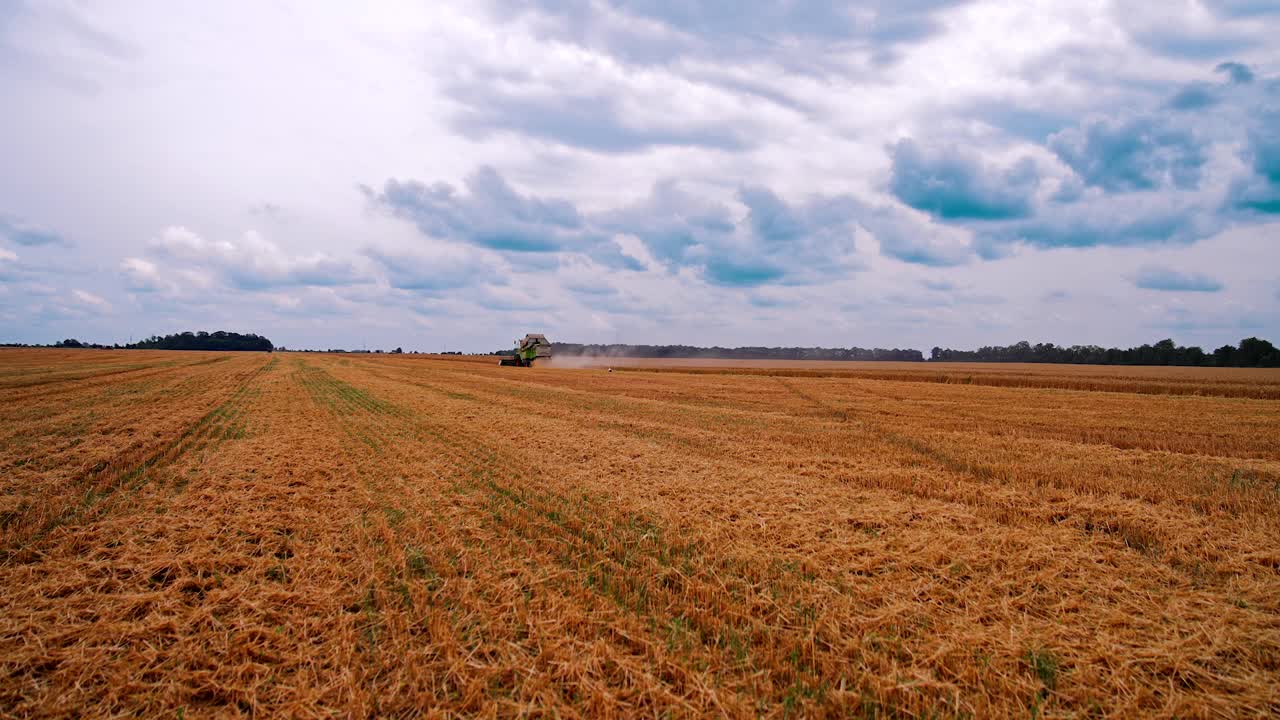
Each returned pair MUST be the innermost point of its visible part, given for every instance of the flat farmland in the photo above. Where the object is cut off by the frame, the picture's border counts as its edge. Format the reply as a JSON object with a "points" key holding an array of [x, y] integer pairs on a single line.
{"points": [[1226, 382], [373, 535]]}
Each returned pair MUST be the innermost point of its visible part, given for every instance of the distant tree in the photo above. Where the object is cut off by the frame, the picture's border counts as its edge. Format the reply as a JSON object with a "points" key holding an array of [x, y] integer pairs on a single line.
{"points": [[1225, 356], [1252, 352], [69, 343], [738, 353], [398, 351], [220, 340]]}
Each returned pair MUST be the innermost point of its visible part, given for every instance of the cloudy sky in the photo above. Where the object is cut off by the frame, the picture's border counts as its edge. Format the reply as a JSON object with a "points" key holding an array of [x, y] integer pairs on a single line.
{"points": [[445, 175]]}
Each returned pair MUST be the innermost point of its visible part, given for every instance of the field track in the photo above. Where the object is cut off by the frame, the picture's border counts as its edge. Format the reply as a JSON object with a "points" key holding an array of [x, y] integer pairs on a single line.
{"points": [[370, 535]]}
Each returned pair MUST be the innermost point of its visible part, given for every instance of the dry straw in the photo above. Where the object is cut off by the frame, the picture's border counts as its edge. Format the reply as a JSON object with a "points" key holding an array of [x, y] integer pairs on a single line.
{"points": [[317, 535]]}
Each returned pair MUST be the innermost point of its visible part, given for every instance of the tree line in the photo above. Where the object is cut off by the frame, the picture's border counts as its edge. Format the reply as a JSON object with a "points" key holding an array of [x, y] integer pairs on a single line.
{"points": [[1251, 352], [220, 340], [737, 353]]}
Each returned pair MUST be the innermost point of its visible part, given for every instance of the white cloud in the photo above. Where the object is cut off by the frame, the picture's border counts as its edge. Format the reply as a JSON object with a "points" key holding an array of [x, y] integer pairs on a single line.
{"points": [[250, 263], [634, 248], [158, 165], [88, 298], [142, 275]]}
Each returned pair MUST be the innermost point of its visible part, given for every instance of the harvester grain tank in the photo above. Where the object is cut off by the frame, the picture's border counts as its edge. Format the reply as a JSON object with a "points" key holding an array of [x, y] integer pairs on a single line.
{"points": [[534, 346]]}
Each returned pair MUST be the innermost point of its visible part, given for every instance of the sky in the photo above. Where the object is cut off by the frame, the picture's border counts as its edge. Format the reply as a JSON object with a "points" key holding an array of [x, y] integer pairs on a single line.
{"points": [[450, 176]]}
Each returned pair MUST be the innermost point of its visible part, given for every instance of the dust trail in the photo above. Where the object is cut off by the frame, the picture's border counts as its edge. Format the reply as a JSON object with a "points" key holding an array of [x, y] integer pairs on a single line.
{"points": [[563, 362]]}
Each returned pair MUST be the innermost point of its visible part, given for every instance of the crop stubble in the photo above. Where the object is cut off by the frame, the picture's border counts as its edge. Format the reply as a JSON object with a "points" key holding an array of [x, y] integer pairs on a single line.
{"points": [[310, 534]]}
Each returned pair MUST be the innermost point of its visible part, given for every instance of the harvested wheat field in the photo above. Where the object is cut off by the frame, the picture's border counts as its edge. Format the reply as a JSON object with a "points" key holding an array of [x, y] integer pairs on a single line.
{"points": [[319, 535]]}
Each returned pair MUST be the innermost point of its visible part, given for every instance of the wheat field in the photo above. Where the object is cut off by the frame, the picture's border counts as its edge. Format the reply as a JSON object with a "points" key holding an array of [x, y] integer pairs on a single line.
{"points": [[205, 535]]}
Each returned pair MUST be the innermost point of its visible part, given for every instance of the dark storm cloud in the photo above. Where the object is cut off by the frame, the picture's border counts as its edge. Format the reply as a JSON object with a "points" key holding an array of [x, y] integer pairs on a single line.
{"points": [[1191, 45], [1137, 154], [671, 222], [489, 214], [1257, 193], [772, 220], [779, 241], [1195, 96], [787, 242], [731, 272], [1237, 72], [909, 241], [1200, 94], [776, 242], [917, 253], [1032, 124], [953, 184], [1264, 148], [1135, 178], [1260, 190], [1164, 279], [1105, 222]]}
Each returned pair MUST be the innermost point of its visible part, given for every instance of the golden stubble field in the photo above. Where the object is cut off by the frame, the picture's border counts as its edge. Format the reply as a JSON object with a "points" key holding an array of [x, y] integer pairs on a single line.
{"points": [[317, 535]]}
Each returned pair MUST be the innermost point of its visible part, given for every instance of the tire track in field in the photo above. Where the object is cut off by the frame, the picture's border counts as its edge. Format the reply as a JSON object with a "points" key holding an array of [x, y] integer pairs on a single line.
{"points": [[1166, 539], [980, 500], [1151, 540], [689, 599], [1132, 531], [1263, 481], [1130, 386], [189, 597], [375, 424], [991, 494], [985, 418], [543, 397], [125, 473], [403, 507], [646, 571], [78, 383]]}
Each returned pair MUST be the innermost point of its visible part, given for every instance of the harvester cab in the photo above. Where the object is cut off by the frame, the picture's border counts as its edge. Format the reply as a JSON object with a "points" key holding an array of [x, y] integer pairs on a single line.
{"points": [[534, 346]]}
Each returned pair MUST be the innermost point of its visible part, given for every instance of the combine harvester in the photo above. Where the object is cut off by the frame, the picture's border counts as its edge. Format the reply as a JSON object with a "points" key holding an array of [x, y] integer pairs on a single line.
{"points": [[534, 346]]}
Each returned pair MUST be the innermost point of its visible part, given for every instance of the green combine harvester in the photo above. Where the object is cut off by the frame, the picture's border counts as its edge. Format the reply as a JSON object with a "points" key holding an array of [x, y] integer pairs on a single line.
{"points": [[534, 346]]}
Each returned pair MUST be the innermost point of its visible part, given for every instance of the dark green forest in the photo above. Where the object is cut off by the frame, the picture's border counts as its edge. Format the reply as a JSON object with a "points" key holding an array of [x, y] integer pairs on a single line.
{"points": [[1251, 352], [220, 340], [738, 353]]}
